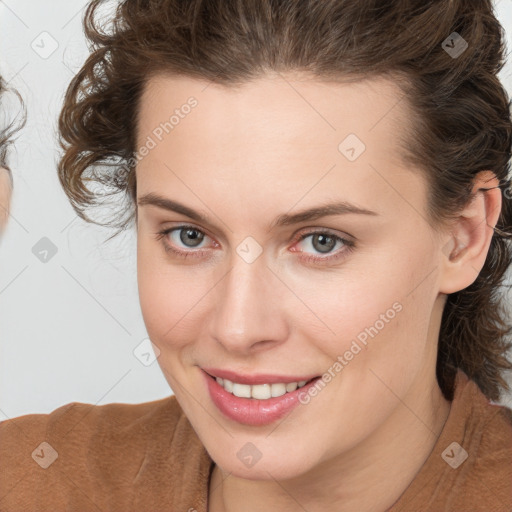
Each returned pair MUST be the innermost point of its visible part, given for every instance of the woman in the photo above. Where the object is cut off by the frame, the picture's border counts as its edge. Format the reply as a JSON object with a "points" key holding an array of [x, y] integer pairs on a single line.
{"points": [[320, 192], [6, 135]]}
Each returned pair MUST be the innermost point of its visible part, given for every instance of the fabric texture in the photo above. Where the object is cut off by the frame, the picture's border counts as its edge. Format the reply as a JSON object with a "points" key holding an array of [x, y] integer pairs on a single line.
{"points": [[147, 457]]}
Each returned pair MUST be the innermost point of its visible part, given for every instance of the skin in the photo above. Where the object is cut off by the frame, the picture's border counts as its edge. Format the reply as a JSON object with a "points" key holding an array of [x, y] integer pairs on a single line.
{"points": [[5, 197], [243, 157]]}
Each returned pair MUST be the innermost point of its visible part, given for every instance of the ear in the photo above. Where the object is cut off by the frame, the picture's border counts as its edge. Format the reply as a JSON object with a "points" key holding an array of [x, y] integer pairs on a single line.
{"points": [[465, 248]]}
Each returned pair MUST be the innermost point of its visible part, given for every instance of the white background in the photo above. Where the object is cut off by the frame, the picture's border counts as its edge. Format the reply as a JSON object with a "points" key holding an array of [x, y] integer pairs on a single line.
{"points": [[69, 326]]}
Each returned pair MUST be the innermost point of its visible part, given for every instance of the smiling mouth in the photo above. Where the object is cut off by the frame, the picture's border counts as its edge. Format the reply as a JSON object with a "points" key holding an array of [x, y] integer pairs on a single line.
{"points": [[262, 391], [259, 391], [257, 400]]}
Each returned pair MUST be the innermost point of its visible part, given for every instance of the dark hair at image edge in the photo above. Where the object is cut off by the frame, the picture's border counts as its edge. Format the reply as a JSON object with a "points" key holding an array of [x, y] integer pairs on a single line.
{"points": [[461, 122]]}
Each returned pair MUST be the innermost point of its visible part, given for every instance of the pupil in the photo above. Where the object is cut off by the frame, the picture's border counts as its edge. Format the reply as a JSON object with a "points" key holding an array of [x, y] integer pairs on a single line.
{"points": [[190, 235], [323, 247]]}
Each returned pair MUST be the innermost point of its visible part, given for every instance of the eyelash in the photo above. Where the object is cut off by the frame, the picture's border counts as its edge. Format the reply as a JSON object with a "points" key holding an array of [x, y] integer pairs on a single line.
{"points": [[348, 244]]}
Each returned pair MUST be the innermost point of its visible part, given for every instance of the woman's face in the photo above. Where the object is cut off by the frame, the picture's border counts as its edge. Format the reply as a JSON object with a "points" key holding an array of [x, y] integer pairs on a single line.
{"points": [[248, 289]]}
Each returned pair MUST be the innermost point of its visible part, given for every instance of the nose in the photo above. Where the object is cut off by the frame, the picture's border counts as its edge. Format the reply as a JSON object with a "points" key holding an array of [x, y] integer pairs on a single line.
{"points": [[250, 314]]}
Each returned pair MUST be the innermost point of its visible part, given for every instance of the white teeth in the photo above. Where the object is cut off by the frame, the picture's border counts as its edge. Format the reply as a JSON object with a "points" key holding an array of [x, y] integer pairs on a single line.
{"points": [[278, 389], [291, 386], [241, 390], [259, 391]]}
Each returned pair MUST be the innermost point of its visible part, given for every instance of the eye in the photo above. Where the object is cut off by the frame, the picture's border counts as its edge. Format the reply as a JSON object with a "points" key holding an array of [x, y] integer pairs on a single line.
{"points": [[323, 242], [186, 239], [189, 236], [186, 236]]}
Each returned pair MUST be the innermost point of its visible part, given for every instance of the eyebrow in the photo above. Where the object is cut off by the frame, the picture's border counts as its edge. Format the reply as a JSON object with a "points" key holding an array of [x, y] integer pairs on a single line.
{"points": [[317, 212]]}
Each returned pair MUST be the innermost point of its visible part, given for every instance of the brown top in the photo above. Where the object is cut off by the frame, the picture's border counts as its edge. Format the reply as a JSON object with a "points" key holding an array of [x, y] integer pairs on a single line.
{"points": [[147, 457]]}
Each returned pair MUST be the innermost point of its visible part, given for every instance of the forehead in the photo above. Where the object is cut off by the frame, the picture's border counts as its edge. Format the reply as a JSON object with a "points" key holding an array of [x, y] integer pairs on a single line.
{"points": [[282, 114], [280, 134], [274, 103]]}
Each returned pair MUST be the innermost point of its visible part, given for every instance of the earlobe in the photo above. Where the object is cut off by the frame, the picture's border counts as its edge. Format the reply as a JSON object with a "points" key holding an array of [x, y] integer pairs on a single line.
{"points": [[465, 249]]}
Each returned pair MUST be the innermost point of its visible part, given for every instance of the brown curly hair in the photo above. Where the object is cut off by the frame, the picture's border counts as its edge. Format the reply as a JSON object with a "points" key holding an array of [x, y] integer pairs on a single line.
{"points": [[462, 123]]}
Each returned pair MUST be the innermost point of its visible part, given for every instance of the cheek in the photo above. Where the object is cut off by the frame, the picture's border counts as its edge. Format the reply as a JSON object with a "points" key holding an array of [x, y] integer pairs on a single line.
{"points": [[170, 297], [156, 296], [382, 309]]}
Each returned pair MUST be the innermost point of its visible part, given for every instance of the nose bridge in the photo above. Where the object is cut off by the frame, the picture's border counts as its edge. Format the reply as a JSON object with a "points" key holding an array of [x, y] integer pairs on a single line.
{"points": [[245, 312], [242, 291]]}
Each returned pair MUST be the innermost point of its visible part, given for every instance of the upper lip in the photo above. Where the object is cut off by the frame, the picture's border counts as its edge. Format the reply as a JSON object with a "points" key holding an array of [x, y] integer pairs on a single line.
{"points": [[260, 378]]}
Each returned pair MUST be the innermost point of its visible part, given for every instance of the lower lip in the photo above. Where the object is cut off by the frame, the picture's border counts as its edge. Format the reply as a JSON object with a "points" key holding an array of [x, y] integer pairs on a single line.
{"points": [[251, 411]]}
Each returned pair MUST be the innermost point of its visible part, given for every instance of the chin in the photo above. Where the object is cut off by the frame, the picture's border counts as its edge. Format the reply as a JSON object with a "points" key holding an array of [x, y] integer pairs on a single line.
{"points": [[244, 460]]}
